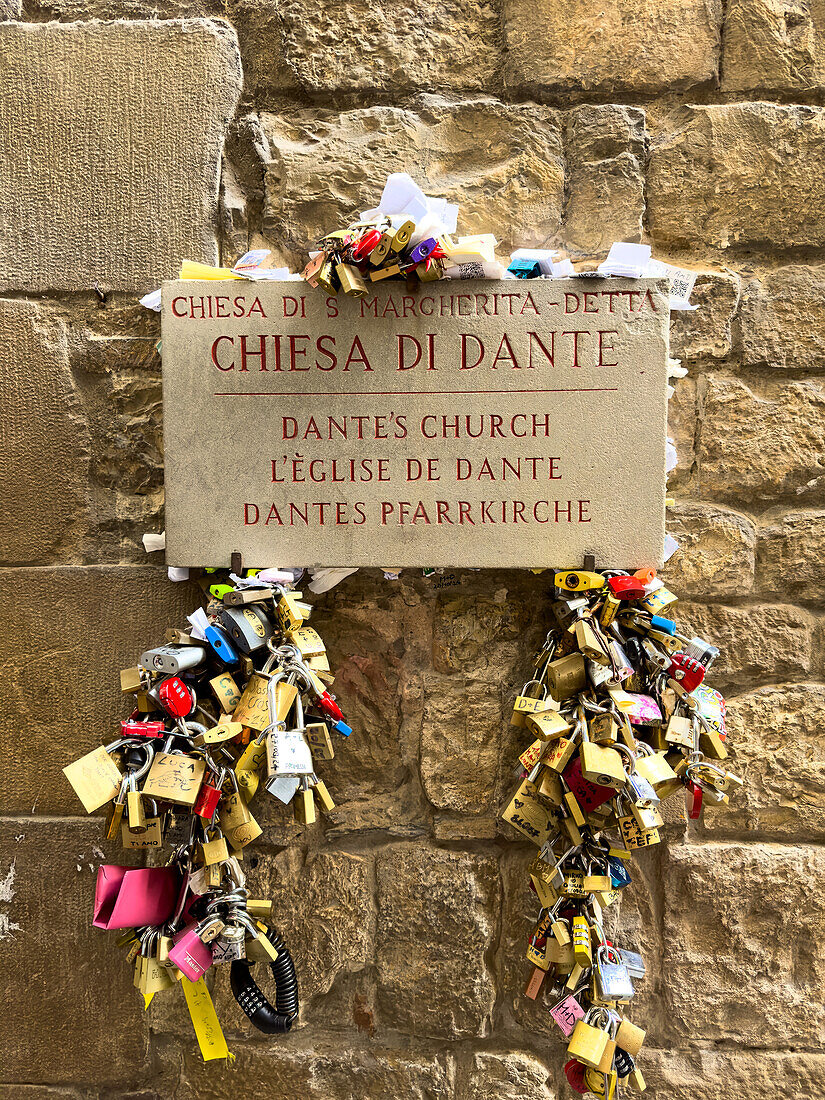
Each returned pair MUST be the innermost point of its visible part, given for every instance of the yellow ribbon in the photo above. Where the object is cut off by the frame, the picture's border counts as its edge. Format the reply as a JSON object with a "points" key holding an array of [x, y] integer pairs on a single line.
{"points": [[205, 1020]]}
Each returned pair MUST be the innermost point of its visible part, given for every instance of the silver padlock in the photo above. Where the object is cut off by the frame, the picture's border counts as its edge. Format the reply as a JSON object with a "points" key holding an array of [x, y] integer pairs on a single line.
{"points": [[171, 659], [612, 975], [249, 627]]}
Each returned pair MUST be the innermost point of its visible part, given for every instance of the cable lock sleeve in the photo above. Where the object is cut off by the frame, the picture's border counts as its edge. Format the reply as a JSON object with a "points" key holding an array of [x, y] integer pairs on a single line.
{"points": [[253, 1001]]}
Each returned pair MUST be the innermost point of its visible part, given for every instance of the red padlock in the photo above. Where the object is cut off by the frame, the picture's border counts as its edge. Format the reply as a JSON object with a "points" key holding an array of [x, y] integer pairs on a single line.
{"points": [[626, 588], [574, 1072], [175, 697], [328, 705], [207, 801], [362, 249], [695, 807], [588, 795], [131, 727], [686, 671]]}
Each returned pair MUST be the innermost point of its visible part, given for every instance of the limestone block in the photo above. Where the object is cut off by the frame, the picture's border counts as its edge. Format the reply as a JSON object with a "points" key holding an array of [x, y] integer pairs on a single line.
{"points": [[113, 134]]}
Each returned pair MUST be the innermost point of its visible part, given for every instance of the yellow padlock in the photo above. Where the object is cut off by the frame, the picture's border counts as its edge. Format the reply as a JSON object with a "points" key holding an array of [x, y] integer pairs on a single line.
{"points": [[588, 1042]]}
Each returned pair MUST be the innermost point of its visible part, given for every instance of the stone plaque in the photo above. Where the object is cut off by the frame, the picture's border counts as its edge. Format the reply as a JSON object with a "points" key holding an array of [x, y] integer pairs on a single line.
{"points": [[494, 424]]}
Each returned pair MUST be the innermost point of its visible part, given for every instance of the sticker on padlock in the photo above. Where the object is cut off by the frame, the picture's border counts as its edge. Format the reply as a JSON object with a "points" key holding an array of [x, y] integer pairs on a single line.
{"points": [[567, 1013]]}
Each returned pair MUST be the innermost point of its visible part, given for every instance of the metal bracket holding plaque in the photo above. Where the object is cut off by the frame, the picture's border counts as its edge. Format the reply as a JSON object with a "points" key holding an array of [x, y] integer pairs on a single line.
{"points": [[488, 424]]}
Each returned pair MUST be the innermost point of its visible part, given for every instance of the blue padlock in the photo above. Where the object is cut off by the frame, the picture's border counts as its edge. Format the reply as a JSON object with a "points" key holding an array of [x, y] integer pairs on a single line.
{"points": [[222, 646], [342, 728], [667, 626], [525, 269], [619, 874]]}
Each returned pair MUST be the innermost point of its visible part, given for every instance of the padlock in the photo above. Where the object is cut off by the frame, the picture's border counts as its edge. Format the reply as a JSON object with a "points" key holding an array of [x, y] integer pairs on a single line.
{"points": [[610, 609], [175, 697], [248, 627], [525, 813], [319, 740], [169, 660], [686, 671], [221, 645], [588, 1042], [529, 701], [589, 645], [307, 641], [547, 724], [567, 1013], [656, 770], [635, 836], [290, 615], [656, 602], [214, 848], [679, 731], [626, 589], [559, 754], [191, 952], [629, 1037], [566, 676], [601, 765], [582, 951], [95, 777], [588, 795], [603, 729], [579, 581], [253, 708], [635, 1080], [611, 974], [175, 777]]}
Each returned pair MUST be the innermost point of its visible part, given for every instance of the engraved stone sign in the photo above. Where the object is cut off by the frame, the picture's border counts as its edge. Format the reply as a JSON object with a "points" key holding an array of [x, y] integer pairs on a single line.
{"points": [[490, 424]]}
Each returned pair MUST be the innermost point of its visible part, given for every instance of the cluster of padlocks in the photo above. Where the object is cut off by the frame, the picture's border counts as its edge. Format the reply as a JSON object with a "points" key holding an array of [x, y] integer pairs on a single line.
{"points": [[620, 719], [368, 251], [236, 701]]}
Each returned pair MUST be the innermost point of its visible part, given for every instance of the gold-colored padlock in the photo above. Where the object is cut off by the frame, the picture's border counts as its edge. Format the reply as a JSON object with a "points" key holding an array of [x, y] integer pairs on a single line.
{"points": [[175, 777], [559, 755], [95, 777], [630, 1038], [529, 701], [215, 848], [226, 691], [587, 1042], [525, 813], [319, 740], [659, 774], [582, 949], [547, 724], [567, 676], [602, 765], [588, 642]]}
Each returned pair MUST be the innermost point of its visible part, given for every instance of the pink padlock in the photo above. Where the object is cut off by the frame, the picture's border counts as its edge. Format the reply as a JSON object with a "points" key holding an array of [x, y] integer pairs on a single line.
{"points": [[189, 953], [567, 1013]]}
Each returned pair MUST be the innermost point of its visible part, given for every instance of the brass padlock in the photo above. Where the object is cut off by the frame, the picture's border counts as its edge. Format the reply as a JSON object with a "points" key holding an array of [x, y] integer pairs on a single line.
{"points": [[317, 736], [226, 691], [679, 731], [588, 643], [601, 765], [95, 777], [659, 774], [531, 699], [547, 724], [215, 848], [603, 729], [588, 1042], [525, 813], [630, 1038], [175, 777], [559, 755], [567, 676]]}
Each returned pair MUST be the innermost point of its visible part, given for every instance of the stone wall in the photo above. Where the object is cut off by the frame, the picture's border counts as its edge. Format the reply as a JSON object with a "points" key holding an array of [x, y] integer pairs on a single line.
{"points": [[134, 135]]}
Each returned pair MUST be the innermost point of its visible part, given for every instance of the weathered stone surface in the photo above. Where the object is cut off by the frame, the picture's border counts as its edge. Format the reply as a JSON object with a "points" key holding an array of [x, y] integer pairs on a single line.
{"points": [[114, 133], [69, 11], [437, 918], [775, 738], [738, 971], [715, 559], [361, 47], [770, 45], [48, 871], [759, 447], [674, 44], [737, 196], [327, 1070], [705, 333], [10, 9], [782, 319], [68, 634], [479, 635], [460, 738], [710, 1074], [605, 149], [682, 420], [789, 553], [766, 641], [44, 440], [503, 164], [508, 1075], [375, 636]]}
